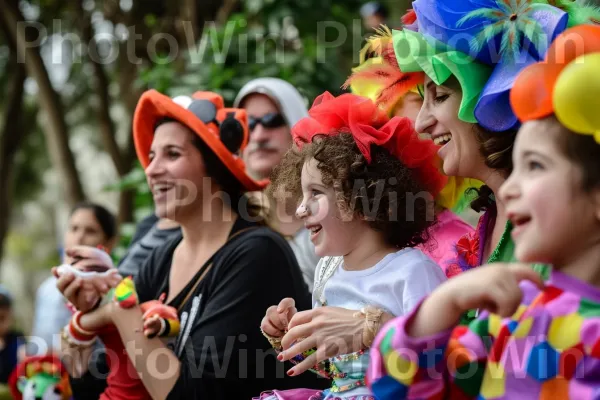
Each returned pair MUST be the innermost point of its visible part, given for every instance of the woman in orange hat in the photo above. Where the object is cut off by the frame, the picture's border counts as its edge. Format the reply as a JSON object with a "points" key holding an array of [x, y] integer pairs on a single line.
{"points": [[219, 275]]}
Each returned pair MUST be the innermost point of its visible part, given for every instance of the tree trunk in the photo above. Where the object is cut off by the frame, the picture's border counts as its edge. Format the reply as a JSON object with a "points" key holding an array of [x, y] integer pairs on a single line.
{"points": [[105, 123], [50, 102], [12, 135]]}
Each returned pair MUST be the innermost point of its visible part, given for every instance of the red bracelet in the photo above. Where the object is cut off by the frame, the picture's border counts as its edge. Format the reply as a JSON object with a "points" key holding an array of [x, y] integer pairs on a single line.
{"points": [[80, 337], [76, 326]]}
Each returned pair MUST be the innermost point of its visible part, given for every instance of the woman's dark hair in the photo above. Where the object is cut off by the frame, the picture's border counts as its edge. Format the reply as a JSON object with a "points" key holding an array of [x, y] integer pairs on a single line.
{"points": [[496, 148], [105, 218], [378, 192], [6, 300]]}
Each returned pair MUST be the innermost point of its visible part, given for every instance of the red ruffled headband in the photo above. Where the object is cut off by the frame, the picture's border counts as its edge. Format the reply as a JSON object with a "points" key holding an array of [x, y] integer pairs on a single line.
{"points": [[369, 125]]}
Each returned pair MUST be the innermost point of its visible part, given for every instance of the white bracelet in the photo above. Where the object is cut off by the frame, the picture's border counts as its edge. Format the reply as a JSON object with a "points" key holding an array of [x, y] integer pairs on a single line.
{"points": [[73, 342]]}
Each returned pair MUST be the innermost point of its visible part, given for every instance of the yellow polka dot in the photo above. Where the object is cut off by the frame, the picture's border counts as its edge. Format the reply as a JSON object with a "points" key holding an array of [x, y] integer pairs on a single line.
{"points": [[494, 324], [565, 331], [400, 368], [523, 328], [519, 312], [493, 384]]}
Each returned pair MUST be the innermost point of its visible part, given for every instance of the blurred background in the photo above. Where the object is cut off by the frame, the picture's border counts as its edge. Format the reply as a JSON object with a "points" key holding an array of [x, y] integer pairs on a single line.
{"points": [[71, 73]]}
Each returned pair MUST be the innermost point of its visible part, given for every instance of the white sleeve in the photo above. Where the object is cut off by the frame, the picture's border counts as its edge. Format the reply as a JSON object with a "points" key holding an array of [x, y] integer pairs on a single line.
{"points": [[51, 315], [423, 278]]}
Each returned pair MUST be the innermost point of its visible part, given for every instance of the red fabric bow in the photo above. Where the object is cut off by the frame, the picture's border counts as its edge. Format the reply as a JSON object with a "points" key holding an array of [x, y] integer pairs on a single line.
{"points": [[369, 125]]}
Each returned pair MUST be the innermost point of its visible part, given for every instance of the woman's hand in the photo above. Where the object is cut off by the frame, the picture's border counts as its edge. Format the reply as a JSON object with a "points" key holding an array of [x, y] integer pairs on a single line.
{"points": [[97, 319], [275, 322], [494, 288], [331, 330], [84, 294]]}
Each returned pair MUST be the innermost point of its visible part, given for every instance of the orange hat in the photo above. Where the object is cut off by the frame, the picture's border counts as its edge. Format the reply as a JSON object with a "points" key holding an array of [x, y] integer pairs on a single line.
{"points": [[224, 130]]}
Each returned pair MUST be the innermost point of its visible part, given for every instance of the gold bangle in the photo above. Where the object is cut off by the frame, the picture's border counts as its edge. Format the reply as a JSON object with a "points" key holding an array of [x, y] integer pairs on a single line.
{"points": [[372, 316]]}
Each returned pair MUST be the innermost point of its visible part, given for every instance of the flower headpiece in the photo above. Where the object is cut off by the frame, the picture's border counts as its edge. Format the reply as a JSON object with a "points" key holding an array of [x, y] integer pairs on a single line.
{"points": [[484, 44], [369, 125], [566, 83], [379, 78]]}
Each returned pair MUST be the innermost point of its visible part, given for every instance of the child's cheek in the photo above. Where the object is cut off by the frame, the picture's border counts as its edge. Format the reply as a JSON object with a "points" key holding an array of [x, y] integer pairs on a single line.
{"points": [[319, 208]]}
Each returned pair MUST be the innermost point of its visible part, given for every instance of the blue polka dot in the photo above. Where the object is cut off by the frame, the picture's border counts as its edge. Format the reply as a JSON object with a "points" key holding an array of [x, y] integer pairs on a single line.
{"points": [[387, 388], [543, 362]]}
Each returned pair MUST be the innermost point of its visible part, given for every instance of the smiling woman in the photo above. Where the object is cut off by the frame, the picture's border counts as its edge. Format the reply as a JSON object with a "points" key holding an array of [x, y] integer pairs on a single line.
{"points": [[466, 106], [218, 276]]}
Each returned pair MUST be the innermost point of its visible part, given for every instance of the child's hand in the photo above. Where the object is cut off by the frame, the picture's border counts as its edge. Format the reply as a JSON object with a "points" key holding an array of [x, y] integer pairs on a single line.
{"points": [[159, 319], [494, 288], [276, 320]]}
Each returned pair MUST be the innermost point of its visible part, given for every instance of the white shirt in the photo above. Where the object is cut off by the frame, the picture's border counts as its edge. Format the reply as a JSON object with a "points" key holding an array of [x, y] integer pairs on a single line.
{"points": [[396, 283], [51, 315]]}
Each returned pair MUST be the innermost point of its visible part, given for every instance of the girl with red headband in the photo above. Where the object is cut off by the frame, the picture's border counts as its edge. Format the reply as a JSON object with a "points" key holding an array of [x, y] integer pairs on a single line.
{"points": [[365, 184]]}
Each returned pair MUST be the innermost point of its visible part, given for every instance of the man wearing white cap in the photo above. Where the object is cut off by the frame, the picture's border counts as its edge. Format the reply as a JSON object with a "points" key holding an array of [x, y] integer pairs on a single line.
{"points": [[273, 107]]}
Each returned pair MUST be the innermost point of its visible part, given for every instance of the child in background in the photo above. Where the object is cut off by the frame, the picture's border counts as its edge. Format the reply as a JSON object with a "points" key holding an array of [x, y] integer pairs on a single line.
{"points": [[366, 185], [11, 341], [548, 344]]}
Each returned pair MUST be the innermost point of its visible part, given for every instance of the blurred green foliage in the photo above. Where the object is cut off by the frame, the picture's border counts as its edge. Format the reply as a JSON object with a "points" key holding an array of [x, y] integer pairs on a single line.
{"points": [[311, 44]]}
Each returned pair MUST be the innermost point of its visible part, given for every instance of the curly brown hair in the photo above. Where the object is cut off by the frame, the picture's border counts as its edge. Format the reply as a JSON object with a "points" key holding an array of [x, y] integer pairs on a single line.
{"points": [[385, 192]]}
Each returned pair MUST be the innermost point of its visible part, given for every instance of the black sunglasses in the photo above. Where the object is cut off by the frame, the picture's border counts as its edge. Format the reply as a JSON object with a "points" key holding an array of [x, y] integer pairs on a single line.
{"points": [[270, 121]]}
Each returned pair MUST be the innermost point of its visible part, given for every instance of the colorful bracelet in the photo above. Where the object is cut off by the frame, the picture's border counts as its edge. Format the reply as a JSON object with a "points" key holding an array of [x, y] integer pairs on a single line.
{"points": [[170, 327], [76, 322], [73, 339], [125, 294]]}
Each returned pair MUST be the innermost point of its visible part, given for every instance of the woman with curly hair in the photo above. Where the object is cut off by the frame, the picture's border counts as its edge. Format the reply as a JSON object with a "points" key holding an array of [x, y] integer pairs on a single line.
{"points": [[469, 70], [471, 55], [366, 185]]}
